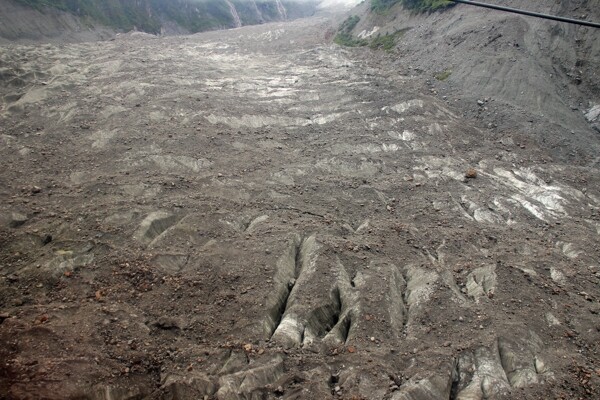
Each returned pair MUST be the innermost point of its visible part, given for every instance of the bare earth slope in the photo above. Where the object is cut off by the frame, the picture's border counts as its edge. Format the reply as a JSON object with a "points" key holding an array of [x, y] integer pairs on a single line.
{"points": [[520, 65], [85, 20], [18, 22], [258, 214]]}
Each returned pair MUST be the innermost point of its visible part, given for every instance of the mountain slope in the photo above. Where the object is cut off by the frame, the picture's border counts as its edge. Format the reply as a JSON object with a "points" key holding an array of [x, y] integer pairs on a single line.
{"points": [[546, 69], [32, 19]]}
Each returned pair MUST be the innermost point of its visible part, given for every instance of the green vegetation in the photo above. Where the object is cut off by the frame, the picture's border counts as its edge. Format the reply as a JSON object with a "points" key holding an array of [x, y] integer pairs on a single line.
{"points": [[386, 42], [381, 42], [349, 24], [346, 39], [344, 36], [442, 76], [427, 5], [381, 6]]}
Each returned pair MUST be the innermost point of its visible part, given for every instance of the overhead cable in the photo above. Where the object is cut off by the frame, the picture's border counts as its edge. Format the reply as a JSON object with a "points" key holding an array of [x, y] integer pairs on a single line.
{"points": [[529, 13]]}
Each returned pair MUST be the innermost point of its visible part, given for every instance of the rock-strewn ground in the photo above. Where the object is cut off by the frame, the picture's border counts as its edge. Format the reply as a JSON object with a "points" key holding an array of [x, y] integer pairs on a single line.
{"points": [[259, 214]]}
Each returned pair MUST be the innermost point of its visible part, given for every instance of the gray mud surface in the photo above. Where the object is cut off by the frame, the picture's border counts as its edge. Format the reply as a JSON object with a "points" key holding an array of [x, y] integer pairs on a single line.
{"points": [[259, 214]]}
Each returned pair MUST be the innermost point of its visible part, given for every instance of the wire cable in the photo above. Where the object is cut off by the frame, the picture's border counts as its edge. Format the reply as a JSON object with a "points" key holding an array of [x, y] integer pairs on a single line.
{"points": [[529, 13]]}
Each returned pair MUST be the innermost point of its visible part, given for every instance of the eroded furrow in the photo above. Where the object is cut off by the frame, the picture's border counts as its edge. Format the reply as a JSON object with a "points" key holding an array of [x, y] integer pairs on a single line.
{"points": [[298, 260]]}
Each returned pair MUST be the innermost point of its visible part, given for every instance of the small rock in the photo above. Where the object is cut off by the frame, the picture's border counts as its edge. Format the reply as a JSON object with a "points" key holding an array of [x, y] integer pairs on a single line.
{"points": [[16, 219], [471, 173], [46, 239], [586, 296], [551, 320], [167, 323], [593, 114], [480, 103], [540, 365]]}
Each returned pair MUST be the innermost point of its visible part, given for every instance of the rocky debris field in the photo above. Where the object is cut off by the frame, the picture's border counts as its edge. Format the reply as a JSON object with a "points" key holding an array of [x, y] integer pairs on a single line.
{"points": [[260, 214]]}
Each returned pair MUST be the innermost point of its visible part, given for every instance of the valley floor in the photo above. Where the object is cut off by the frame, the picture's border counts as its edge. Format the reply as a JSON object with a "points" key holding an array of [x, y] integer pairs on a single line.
{"points": [[258, 214]]}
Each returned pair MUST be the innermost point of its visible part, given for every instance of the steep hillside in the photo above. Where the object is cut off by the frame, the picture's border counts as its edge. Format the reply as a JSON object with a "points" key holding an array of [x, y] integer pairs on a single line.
{"points": [[19, 22], [34, 19], [509, 63]]}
